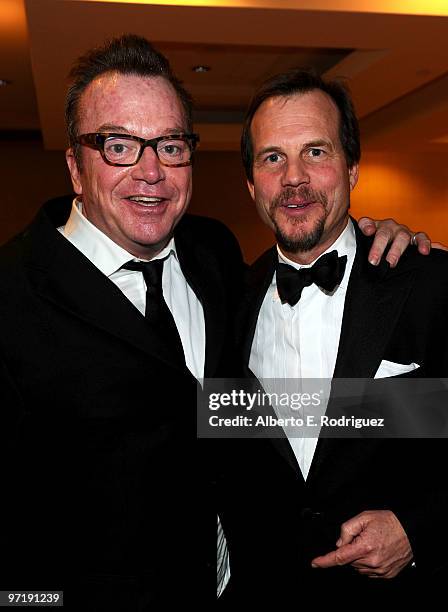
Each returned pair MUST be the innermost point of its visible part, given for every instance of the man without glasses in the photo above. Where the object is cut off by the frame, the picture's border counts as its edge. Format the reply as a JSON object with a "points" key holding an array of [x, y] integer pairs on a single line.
{"points": [[324, 517]]}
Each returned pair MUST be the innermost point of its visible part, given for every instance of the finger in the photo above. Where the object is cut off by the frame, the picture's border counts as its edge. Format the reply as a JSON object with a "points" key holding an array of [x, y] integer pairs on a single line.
{"points": [[422, 242], [399, 245], [370, 564], [365, 569], [380, 242], [377, 573], [341, 556], [439, 245], [367, 226]]}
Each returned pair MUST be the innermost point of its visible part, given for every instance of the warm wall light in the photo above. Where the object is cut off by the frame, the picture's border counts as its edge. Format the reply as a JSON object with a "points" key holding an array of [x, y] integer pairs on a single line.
{"points": [[12, 17], [441, 139], [398, 7], [203, 3]]}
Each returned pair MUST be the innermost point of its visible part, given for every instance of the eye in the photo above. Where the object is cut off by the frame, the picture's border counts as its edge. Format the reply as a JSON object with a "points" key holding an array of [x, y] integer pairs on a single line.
{"points": [[117, 148], [171, 149], [272, 158], [316, 153], [121, 150], [269, 161]]}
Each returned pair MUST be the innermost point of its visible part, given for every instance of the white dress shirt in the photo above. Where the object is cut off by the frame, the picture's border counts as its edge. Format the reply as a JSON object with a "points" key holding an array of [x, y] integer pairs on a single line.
{"points": [[109, 257], [301, 341]]}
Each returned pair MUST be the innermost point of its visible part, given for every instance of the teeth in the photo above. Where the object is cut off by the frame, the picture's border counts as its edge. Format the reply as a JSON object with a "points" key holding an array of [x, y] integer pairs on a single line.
{"points": [[145, 200]]}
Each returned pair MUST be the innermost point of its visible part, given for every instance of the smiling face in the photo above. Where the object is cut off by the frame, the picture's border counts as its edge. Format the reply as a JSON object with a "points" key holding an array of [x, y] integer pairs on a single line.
{"points": [[137, 206], [301, 182]]}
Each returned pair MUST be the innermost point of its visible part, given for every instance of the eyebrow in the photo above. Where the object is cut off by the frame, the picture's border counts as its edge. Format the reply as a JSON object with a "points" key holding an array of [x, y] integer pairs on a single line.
{"points": [[112, 127], [265, 150], [318, 143], [312, 143]]}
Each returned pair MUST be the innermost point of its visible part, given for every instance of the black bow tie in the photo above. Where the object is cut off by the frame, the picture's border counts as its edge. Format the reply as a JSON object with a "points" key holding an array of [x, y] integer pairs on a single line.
{"points": [[326, 273]]}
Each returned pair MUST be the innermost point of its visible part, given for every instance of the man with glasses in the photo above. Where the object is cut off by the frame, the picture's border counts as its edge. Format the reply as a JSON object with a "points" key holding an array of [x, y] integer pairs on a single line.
{"points": [[112, 307]]}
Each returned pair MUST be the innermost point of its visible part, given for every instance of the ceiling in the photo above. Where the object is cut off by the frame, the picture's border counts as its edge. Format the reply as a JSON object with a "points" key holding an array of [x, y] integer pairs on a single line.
{"points": [[393, 53]]}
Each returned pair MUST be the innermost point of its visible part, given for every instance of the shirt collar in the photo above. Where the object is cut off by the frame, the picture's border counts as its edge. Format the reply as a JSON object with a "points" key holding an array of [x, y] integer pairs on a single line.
{"points": [[103, 252]]}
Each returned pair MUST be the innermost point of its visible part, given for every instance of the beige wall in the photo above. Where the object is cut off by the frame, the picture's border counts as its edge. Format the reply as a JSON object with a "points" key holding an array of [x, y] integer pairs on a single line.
{"points": [[29, 176], [410, 187], [220, 191]]}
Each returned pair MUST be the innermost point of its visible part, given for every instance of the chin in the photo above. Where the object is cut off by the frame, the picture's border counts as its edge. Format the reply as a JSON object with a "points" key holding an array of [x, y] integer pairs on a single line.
{"points": [[154, 240], [303, 240]]}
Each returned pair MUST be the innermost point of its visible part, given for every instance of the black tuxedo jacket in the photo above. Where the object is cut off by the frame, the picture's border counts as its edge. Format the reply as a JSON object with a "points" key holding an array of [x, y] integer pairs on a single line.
{"points": [[275, 522], [104, 495]]}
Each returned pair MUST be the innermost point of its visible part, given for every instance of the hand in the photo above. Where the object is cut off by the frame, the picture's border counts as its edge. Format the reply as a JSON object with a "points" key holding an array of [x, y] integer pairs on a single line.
{"points": [[398, 236], [373, 542]]}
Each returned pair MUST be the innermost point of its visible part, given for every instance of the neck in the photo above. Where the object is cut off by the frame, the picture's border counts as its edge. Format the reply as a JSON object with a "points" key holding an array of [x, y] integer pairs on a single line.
{"points": [[147, 253]]}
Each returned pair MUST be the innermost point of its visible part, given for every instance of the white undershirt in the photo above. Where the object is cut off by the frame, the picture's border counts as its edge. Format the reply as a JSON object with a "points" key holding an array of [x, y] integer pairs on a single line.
{"points": [[301, 341], [109, 257]]}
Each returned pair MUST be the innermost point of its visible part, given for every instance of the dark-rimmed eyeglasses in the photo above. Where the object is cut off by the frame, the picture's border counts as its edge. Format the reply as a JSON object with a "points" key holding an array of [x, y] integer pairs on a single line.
{"points": [[174, 150]]}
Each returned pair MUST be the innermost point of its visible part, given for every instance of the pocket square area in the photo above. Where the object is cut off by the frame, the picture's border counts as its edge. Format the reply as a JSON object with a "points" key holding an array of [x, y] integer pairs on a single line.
{"points": [[390, 368]]}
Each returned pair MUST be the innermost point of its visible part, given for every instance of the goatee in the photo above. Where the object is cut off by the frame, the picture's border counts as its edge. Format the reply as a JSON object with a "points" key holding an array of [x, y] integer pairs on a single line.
{"points": [[299, 241]]}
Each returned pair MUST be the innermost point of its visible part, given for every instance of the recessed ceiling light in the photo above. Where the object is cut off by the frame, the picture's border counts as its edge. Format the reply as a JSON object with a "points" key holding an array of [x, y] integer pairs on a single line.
{"points": [[201, 68], [4, 82]]}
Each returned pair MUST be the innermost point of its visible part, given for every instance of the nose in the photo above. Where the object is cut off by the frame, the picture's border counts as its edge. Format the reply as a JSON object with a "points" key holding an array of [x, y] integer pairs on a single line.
{"points": [[295, 172], [148, 168]]}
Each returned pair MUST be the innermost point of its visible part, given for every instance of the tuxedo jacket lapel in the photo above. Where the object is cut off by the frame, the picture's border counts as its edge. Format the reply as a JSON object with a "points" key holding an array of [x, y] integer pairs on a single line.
{"points": [[374, 300], [259, 278], [202, 274], [62, 275]]}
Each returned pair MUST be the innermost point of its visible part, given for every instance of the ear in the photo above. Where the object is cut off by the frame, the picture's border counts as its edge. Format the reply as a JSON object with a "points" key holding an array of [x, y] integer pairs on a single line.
{"points": [[74, 171], [251, 188], [353, 175]]}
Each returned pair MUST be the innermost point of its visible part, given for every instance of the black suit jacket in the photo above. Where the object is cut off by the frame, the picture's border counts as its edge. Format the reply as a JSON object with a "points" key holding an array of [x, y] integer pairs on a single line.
{"points": [[106, 495], [275, 522]]}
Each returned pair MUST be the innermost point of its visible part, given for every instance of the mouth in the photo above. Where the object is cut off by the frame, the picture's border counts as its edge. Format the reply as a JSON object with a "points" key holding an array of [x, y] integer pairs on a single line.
{"points": [[147, 201], [298, 205]]}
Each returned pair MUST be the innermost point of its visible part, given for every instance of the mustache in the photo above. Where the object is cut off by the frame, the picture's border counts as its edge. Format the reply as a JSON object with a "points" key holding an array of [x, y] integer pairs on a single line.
{"points": [[303, 192]]}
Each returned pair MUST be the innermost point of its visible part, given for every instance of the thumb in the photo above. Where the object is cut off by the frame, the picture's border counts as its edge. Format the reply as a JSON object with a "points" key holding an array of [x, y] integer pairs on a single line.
{"points": [[349, 530]]}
